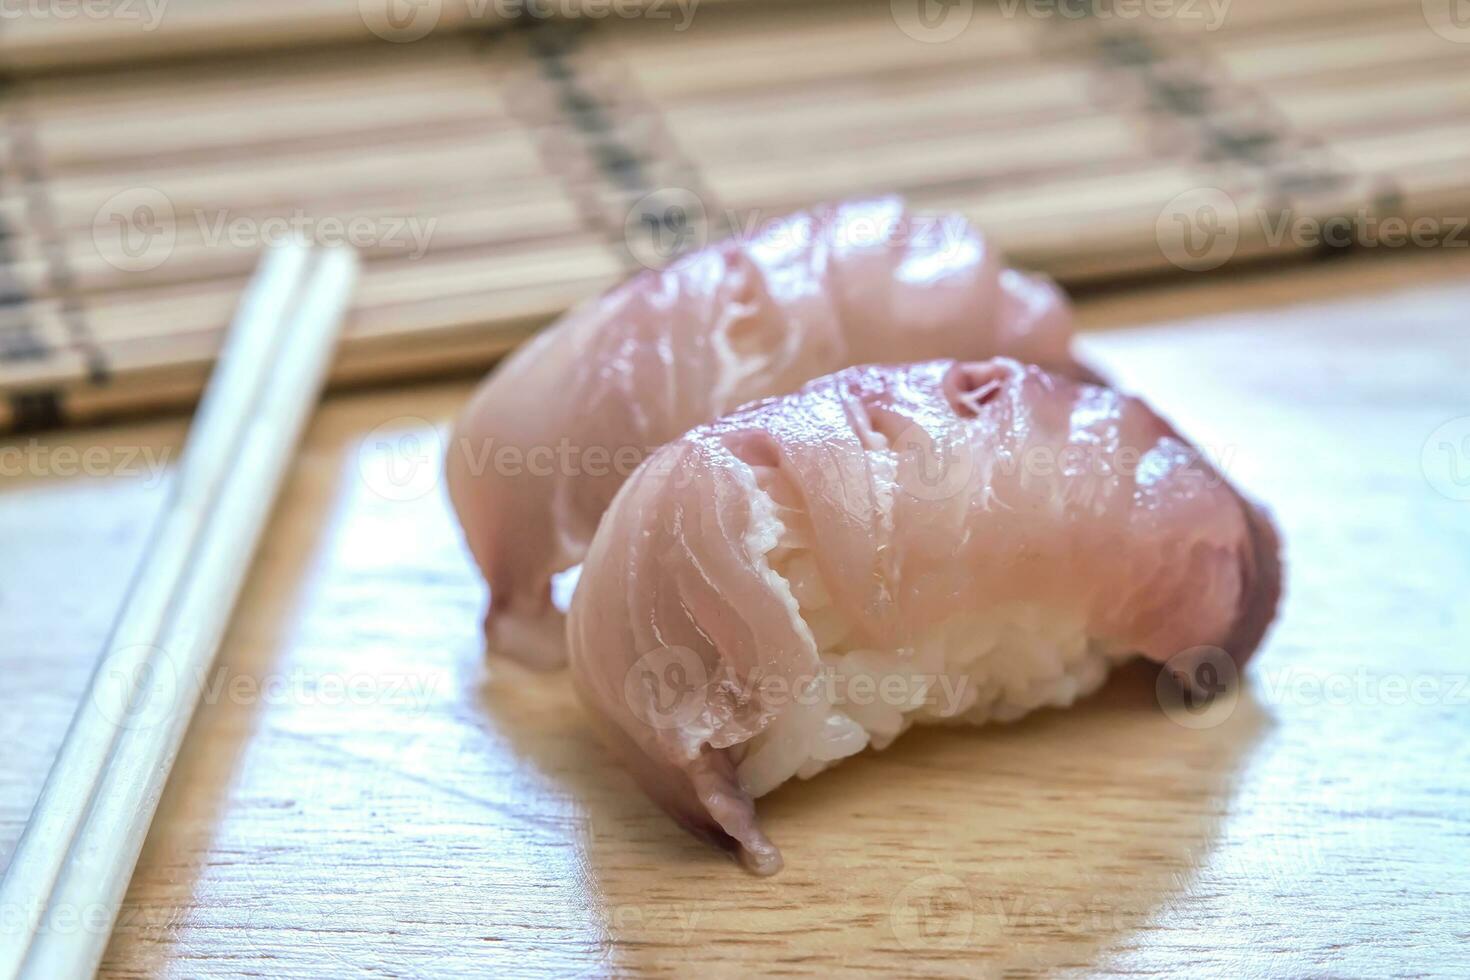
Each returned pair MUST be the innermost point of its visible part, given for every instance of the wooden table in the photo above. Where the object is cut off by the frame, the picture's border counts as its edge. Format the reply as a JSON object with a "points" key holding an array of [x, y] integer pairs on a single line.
{"points": [[362, 795]]}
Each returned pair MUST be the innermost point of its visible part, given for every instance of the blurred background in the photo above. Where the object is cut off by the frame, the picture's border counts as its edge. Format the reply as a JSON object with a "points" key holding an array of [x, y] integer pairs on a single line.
{"points": [[497, 160]]}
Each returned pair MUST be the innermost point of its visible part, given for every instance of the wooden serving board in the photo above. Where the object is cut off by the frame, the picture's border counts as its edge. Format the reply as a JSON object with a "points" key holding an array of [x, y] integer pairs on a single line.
{"points": [[496, 178], [360, 794]]}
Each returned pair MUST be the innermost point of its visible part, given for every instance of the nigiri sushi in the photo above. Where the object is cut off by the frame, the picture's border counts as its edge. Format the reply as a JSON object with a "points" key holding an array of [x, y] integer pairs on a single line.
{"points": [[955, 541], [546, 441]]}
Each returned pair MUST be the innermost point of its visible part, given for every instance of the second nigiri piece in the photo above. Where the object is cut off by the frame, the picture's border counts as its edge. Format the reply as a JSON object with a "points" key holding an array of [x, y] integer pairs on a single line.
{"points": [[578, 408], [940, 542]]}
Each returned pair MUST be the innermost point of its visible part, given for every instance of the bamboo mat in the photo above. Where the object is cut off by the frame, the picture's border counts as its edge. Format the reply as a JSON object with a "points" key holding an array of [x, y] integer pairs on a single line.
{"points": [[49, 34], [495, 178]]}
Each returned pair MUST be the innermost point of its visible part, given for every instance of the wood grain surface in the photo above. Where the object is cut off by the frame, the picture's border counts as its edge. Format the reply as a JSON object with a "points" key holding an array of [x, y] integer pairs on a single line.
{"points": [[361, 795]]}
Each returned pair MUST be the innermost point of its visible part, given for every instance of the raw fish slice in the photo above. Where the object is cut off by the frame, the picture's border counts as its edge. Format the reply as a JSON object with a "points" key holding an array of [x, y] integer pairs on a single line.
{"points": [[550, 437], [964, 542]]}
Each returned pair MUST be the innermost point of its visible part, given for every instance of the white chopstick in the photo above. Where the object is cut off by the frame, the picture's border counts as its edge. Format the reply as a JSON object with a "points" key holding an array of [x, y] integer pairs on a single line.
{"points": [[244, 361], [77, 855]]}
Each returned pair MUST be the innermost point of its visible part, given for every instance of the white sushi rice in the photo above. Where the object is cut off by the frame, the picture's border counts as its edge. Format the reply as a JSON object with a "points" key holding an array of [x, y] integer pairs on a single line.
{"points": [[993, 664]]}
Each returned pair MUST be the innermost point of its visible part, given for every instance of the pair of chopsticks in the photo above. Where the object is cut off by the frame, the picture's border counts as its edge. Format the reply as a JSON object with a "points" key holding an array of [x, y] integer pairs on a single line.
{"points": [[70, 872]]}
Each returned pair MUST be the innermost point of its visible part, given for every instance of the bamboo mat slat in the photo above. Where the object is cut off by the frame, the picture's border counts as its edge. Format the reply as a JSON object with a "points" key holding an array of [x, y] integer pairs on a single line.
{"points": [[110, 31], [44, 35], [495, 178]]}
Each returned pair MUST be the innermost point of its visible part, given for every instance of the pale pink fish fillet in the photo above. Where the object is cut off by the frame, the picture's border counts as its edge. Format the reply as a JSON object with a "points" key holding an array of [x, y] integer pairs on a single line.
{"points": [[551, 435], [922, 493]]}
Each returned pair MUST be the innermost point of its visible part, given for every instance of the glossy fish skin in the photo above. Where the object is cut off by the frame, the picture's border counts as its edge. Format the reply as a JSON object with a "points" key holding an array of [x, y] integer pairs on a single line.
{"points": [[551, 435], [924, 494]]}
